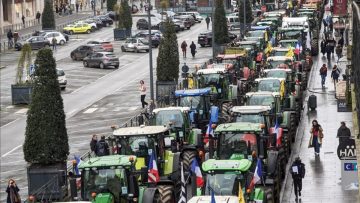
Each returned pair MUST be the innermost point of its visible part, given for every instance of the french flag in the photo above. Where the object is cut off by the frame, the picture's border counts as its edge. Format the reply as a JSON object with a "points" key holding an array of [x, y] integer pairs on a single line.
{"points": [[153, 172], [209, 132], [196, 170], [278, 132], [78, 161], [257, 175], [298, 48]]}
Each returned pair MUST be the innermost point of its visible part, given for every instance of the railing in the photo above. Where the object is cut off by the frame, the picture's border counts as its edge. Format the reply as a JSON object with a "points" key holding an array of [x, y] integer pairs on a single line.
{"points": [[356, 52]]}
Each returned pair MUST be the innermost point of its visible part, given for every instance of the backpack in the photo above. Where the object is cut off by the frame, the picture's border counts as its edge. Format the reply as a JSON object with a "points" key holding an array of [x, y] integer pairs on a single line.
{"points": [[101, 149]]}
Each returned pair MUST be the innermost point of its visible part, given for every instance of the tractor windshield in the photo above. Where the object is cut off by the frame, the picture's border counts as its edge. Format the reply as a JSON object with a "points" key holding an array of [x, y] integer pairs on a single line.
{"points": [[251, 118], [269, 85], [276, 64], [232, 145], [248, 46], [255, 34], [292, 34], [209, 79], [221, 184], [113, 181], [262, 100], [173, 117], [280, 53], [276, 74], [136, 145], [192, 102]]}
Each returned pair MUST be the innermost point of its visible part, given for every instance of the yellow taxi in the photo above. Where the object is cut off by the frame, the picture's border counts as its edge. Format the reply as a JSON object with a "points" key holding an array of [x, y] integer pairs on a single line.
{"points": [[77, 28]]}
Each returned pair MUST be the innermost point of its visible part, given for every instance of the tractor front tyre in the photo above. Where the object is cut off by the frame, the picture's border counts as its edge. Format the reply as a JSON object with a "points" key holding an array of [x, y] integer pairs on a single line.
{"points": [[314, 47], [166, 193], [187, 157], [225, 111]]}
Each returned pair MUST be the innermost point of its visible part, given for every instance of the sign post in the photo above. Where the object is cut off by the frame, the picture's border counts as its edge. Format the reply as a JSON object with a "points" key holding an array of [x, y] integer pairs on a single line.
{"points": [[346, 152]]}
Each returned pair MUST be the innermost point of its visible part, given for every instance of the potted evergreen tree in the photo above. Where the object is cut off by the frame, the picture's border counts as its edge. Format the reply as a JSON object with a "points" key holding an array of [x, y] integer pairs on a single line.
{"points": [[47, 17], [46, 145], [167, 69], [124, 23], [221, 37], [21, 90], [248, 14]]}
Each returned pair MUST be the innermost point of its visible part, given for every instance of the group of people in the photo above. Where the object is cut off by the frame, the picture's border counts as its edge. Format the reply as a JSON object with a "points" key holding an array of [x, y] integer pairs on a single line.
{"points": [[63, 9], [335, 74], [12, 38], [192, 48], [99, 147]]}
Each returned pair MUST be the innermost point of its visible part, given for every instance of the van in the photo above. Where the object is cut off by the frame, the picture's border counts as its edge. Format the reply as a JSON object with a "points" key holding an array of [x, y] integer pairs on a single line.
{"points": [[196, 15], [233, 22], [61, 78]]}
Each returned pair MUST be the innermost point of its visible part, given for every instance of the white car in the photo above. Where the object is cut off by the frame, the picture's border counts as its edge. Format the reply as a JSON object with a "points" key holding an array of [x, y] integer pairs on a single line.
{"points": [[90, 22], [61, 78], [60, 39], [135, 45]]}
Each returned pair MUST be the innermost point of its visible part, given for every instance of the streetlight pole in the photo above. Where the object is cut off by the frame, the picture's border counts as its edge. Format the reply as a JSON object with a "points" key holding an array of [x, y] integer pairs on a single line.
{"points": [[94, 7], [244, 18], [212, 28], [150, 54]]}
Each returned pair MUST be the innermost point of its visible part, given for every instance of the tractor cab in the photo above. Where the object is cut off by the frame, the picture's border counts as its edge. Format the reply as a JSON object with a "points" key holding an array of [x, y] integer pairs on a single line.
{"points": [[257, 35], [274, 19], [109, 179], [296, 22], [270, 85], [288, 43], [271, 99], [252, 114], [283, 62], [272, 25], [278, 13], [259, 28], [279, 51], [198, 100], [251, 47], [291, 33]]}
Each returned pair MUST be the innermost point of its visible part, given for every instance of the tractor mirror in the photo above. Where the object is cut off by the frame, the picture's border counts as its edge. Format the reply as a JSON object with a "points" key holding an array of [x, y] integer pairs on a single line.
{"points": [[273, 139], [262, 149], [173, 146]]}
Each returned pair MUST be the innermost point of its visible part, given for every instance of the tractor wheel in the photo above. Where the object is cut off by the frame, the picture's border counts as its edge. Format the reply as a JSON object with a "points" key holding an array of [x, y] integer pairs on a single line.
{"points": [[166, 193], [225, 111], [314, 47], [187, 157], [156, 198], [293, 127]]}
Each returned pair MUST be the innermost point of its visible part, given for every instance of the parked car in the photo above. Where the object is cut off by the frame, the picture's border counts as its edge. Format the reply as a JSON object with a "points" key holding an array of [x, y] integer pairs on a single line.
{"points": [[60, 39], [101, 60], [142, 24], [135, 44], [187, 20], [177, 26], [205, 38], [36, 42], [85, 50], [61, 78], [98, 22], [155, 39], [196, 15], [107, 21], [106, 45], [90, 22], [42, 32], [78, 28]]}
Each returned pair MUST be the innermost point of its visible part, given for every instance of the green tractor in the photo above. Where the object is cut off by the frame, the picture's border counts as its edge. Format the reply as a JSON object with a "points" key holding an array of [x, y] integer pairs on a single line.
{"points": [[288, 119], [243, 140], [224, 177], [144, 141]]}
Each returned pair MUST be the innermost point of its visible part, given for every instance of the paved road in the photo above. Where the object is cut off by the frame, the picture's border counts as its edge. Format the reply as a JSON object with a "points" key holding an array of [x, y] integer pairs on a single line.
{"points": [[107, 98]]}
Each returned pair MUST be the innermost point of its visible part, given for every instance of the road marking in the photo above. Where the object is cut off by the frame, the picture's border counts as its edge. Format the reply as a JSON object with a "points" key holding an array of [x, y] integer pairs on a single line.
{"points": [[9, 152], [118, 108], [102, 110], [22, 111], [90, 110]]}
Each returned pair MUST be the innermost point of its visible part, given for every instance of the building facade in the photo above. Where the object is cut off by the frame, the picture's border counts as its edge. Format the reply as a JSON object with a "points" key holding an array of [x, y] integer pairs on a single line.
{"points": [[13, 10]]}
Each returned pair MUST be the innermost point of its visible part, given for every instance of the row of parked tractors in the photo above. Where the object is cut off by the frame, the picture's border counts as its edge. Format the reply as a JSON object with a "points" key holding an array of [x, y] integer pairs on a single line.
{"points": [[239, 110]]}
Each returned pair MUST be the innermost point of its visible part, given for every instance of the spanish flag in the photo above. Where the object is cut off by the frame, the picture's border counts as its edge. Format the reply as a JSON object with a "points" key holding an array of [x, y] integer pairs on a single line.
{"points": [[241, 194]]}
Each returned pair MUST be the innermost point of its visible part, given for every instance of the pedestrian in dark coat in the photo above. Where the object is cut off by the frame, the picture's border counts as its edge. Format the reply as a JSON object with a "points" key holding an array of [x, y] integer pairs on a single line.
{"points": [[77, 7], [93, 143], [341, 41], [38, 15], [316, 137], [335, 73], [23, 20], [297, 171], [56, 9], [207, 20], [322, 47], [193, 49], [338, 51], [102, 147], [343, 133], [12, 191], [10, 37], [183, 48]]}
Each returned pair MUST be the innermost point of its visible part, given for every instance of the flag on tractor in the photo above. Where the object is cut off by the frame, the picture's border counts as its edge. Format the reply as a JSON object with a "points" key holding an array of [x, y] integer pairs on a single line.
{"points": [[241, 194], [257, 174], [182, 198], [298, 48], [212, 196], [78, 161], [153, 172], [195, 169]]}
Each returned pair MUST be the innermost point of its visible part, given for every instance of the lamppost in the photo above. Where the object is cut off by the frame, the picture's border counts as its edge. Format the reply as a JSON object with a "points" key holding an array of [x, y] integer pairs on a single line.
{"points": [[150, 54], [243, 32], [212, 27]]}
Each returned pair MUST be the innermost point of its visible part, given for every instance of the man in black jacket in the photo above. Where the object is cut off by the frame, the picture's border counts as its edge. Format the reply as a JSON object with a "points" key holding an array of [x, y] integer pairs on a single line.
{"points": [[93, 143], [344, 132], [297, 171], [102, 147]]}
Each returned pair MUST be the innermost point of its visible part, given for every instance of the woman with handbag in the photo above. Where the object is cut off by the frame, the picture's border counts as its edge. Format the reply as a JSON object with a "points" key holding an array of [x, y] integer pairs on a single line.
{"points": [[13, 192], [316, 137]]}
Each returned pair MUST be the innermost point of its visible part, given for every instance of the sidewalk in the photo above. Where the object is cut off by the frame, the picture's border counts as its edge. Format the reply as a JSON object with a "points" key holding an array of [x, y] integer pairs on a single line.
{"points": [[322, 182]]}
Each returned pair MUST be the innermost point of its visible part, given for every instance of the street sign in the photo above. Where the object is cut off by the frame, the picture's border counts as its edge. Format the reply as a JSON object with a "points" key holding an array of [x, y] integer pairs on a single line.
{"points": [[346, 149], [342, 106], [340, 7], [350, 166], [349, 175]]}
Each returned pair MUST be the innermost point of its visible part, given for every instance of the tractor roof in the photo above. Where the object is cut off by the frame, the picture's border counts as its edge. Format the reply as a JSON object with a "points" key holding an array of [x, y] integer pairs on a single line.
{"points": [[289, 40], [280, 49], [238, 127], [211, 71], [277, 69], [295, 19], [256, 28], [281, 12], [265, 23], [140, 130], [192, 92], [246, 42], [284, 29], [218, 199], [172, 108], [280, 58], [250, 109], [226, 165], [270, 18], [107, 161], [263, 93], [238, 53], [263, 79]]}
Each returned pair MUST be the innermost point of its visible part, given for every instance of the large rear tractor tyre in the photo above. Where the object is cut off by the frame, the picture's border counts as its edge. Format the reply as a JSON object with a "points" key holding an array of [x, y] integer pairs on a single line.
{"points": [[166, 194], [314, 47], [187, 157], [225, 111], [293, 127]]}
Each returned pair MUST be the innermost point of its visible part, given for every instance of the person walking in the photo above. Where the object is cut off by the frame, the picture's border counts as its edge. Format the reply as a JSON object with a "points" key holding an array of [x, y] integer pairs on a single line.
{"points": [[343, 133], [323, 74], [12, 191], [316, 137], [93, 143], [10, 37], [183, 48], [77, 7], [38, 15], [143, 94], [23, 19], [322, 47], [297, 171], [341, 41], [338, 51], [102, 147], [207, 20], [54, 43], [193, 49], [335, 73]]}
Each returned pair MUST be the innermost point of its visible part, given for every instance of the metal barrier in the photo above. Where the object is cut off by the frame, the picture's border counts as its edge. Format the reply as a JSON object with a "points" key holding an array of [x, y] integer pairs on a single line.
{"points": [[356, 52]]}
